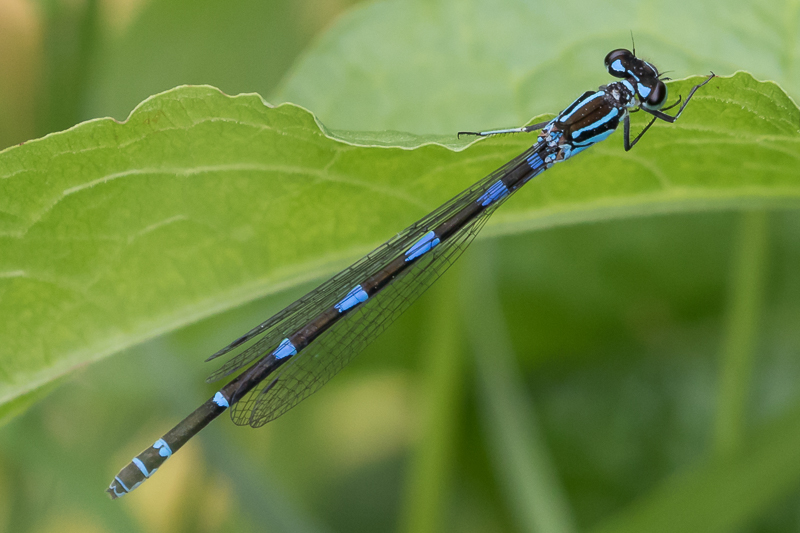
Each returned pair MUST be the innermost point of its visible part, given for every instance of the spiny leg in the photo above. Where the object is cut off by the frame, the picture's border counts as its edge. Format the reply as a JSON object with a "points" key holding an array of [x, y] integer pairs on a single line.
{"points": [[524, 129], [657, 115], [671, 119]]}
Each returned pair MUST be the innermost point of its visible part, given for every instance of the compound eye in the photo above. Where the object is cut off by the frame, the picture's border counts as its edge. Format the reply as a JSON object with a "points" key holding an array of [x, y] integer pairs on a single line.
{"points": [[648, 70], [618, 61], [657, 96]]}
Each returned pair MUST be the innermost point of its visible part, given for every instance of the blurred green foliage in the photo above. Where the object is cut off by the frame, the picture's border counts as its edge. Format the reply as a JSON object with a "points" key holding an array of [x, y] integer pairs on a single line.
{"points": [[638, 373]]}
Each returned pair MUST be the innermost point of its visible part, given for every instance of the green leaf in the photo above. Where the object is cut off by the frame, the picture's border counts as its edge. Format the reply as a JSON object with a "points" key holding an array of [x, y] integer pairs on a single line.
{"points": [[453, 65], [114, 233]]}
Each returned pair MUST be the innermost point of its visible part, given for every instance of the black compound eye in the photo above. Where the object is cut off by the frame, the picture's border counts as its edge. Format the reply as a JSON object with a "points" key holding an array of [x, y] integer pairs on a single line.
{"points": [[618, 62], [656, 97], [648, 70]]}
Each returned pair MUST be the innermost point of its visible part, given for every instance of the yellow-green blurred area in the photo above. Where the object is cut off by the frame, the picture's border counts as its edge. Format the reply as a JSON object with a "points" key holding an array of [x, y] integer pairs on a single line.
{"points": [[67, 61], [632, 374]]}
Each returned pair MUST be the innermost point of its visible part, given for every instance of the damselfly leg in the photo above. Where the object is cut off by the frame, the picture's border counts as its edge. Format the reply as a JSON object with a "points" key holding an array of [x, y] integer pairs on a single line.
{"points": [[524, 129], [658, 114]]}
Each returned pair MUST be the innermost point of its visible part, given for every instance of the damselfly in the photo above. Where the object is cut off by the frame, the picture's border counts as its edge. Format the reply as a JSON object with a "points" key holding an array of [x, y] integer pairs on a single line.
{"points": [[292, 354]]}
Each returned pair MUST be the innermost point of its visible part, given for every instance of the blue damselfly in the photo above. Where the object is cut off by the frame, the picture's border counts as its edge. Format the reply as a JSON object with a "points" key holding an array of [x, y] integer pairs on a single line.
{"points": [[292, 354]]}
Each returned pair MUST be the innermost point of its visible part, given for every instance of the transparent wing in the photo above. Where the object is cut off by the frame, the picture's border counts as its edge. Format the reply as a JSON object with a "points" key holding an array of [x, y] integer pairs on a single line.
{"points": [[315, 364], [330, 352]]}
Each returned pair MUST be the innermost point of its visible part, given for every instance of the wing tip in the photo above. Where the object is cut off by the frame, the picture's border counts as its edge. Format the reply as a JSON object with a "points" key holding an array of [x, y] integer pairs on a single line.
{"points": [[235, 344]]}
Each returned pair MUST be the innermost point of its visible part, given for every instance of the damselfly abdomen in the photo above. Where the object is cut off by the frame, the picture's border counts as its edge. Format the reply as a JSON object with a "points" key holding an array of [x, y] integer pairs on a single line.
{"points": [[294, 353]]}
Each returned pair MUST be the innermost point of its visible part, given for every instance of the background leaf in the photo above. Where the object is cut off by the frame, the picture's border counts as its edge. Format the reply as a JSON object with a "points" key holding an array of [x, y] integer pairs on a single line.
{"points": [[449, 65]]}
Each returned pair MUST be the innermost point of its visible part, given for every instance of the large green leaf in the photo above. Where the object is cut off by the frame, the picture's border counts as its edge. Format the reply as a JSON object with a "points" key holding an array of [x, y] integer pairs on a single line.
{"points": [[453, 65], [113, 233]]}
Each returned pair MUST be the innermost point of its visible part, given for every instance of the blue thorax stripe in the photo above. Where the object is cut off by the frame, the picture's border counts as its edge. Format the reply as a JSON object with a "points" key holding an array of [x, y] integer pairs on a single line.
{"points": [[564, 118], [598, 123], [586, 143]]}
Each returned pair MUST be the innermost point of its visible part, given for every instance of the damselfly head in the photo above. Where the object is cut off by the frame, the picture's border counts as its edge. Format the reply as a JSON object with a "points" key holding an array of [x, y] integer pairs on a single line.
{"points": [[622, 63], [642, 76]]}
